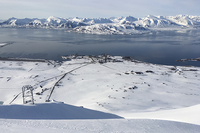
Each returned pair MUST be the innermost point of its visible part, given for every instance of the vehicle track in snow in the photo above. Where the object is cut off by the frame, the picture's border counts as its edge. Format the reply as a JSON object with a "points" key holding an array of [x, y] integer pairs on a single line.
{"points": [[53, 88]]}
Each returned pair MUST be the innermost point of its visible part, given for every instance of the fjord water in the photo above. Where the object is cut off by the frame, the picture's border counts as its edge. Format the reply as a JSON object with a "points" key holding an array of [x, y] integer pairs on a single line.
{"points": [[159, 47]]}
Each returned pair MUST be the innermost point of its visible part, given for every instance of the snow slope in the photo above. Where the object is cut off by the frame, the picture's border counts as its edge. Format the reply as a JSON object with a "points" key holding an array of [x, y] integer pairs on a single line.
{"points": [[115, 25], [51, 111], [96, 126], [121, 88], [186, 115]]}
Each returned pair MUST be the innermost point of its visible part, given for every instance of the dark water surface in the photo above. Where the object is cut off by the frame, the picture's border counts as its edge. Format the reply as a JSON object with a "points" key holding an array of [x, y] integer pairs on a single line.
{"points": [[158, 47]]}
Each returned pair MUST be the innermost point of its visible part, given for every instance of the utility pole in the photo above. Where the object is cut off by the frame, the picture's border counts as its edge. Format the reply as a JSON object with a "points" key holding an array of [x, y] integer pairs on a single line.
{"points": [[106, 58]]}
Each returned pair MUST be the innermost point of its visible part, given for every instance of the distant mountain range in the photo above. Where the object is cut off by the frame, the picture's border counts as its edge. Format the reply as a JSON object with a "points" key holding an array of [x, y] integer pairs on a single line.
{"points": [[114, 25]]}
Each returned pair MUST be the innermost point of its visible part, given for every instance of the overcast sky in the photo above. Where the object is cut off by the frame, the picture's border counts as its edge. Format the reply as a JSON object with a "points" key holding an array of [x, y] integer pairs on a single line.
{"points": [[96, 8]]}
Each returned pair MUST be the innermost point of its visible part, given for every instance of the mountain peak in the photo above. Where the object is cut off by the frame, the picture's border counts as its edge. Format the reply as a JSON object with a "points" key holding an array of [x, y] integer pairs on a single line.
{"points": [[151, 16], [114, 25]]}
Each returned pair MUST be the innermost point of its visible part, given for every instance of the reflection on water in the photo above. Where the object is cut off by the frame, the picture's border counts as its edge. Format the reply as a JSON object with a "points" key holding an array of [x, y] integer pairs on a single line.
{"points": [[158, 47]]}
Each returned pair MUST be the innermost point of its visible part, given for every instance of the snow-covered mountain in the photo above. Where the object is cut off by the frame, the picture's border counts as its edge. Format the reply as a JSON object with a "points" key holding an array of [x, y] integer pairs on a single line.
{"points": [[153, 21], [114, 25]]}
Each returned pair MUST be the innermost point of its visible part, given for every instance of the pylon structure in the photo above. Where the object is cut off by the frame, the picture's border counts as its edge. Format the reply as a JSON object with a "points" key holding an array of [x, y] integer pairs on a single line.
{"points": [[27, 94]]}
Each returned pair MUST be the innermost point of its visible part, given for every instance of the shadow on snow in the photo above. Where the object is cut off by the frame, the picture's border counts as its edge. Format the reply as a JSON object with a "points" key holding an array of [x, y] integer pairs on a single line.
{"points": [[52, 111]]}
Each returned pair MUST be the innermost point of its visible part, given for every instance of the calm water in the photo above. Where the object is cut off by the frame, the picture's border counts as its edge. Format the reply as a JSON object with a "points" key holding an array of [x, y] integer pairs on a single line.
{"points": [[158, 47]]}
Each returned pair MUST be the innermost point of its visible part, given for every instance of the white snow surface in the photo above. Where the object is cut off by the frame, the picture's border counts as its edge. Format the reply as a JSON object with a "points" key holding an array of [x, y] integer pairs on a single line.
{"points": [[114, 25], [120, 96], [95, 126], [2, 44]]}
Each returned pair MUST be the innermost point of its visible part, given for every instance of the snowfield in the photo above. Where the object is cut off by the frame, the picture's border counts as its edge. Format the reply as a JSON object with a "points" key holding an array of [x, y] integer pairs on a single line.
{"points": [[99, 94], [115, 25], [96, 126], [2, 44]]}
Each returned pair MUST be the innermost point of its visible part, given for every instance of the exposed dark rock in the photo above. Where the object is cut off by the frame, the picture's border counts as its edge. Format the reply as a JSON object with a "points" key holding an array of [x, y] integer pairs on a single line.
{"points": [[138, 72], [173, 68], [127, 58], [132, 88], [38, 93], [149, 71]]}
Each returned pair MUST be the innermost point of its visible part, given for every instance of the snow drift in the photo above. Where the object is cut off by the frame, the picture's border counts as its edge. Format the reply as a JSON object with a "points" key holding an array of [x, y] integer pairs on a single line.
{"points": [[52, 111]]}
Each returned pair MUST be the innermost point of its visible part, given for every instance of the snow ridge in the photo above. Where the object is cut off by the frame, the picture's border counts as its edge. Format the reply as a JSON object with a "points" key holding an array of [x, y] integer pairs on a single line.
{"points": [[114, 25]]}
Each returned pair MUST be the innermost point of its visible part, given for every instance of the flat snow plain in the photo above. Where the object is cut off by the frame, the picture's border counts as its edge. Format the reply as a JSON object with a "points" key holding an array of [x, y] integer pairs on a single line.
{"points": [[120, 96]]}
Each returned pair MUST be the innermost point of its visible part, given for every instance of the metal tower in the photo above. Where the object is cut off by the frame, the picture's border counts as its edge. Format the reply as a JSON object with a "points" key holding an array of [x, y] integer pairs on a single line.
{"points": [[27, 94]]}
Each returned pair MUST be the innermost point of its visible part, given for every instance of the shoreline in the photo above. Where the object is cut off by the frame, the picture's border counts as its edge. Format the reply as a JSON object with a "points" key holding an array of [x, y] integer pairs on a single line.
{"points": [[103, 58], [22, 59]]}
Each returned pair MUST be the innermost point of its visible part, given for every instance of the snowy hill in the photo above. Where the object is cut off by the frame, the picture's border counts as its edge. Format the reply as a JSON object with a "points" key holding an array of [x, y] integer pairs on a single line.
{"points": [[108, 25], [135, 96], [111, 87]]}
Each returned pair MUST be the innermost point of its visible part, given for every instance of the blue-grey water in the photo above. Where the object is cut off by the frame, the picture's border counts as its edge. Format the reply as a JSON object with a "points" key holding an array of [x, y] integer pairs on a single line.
{"points": [[158, 47]]}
